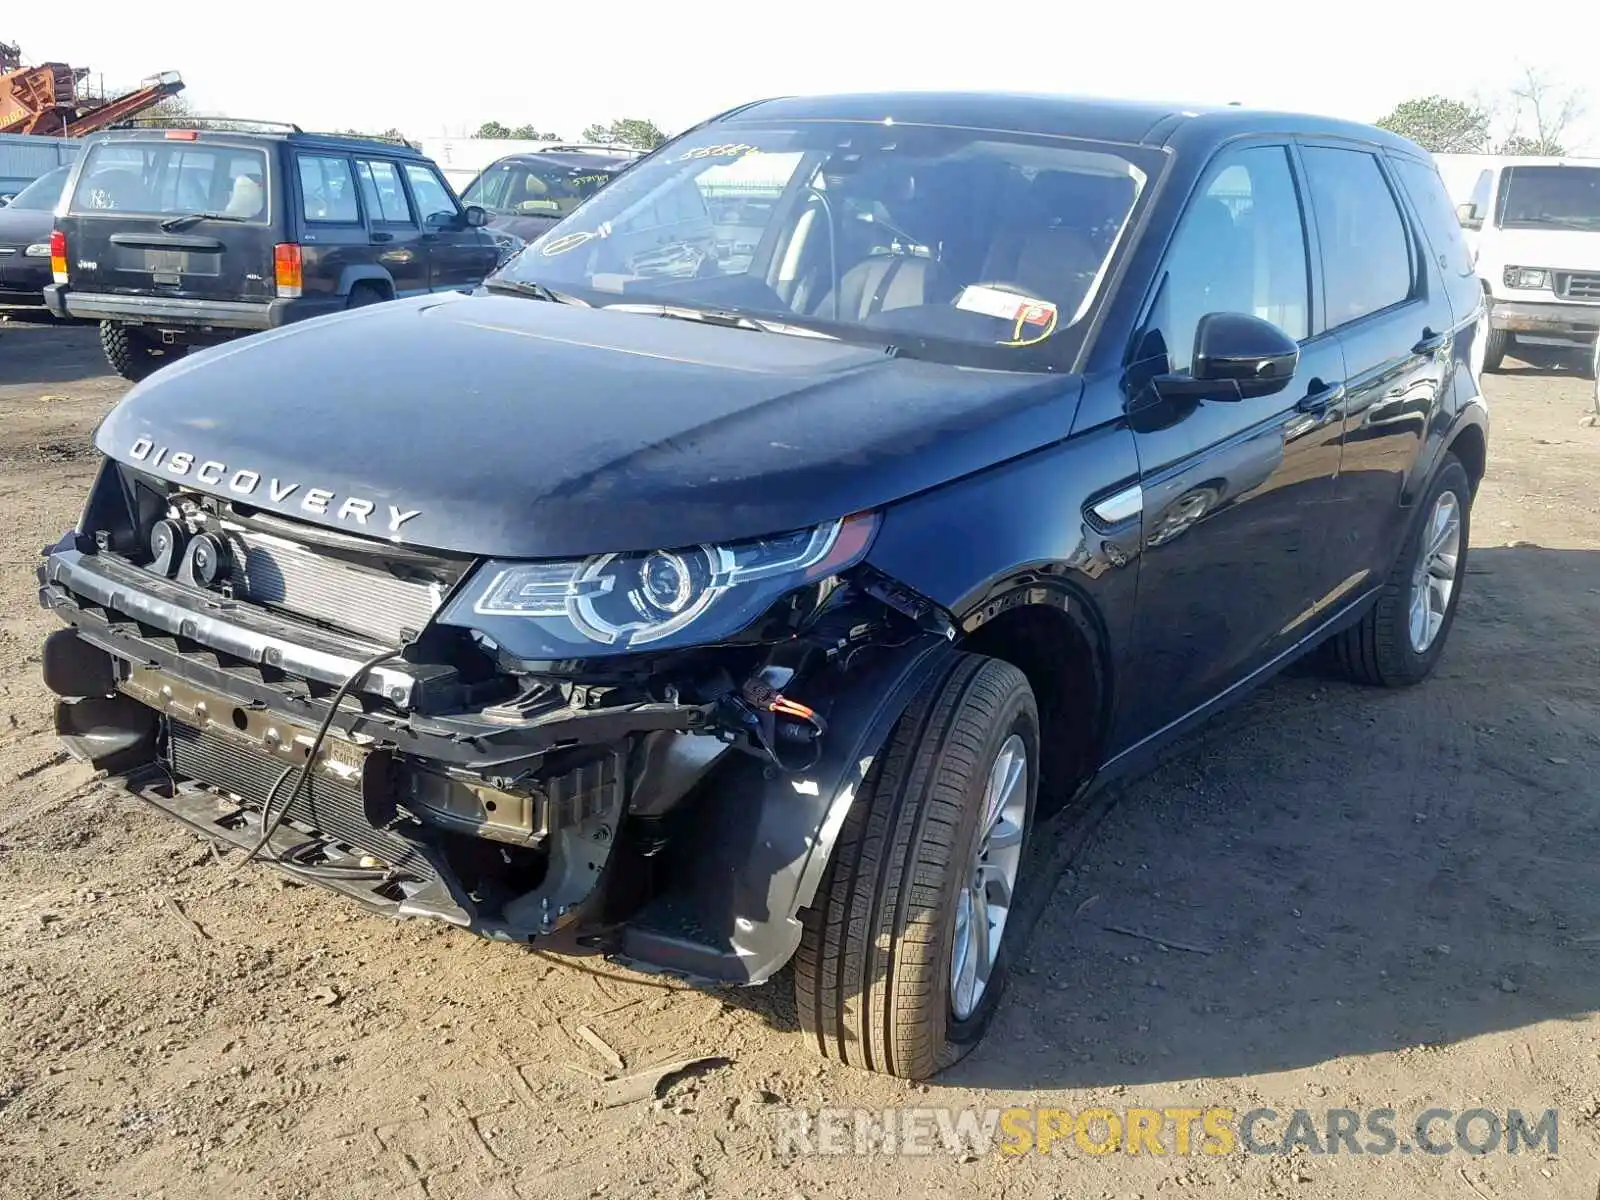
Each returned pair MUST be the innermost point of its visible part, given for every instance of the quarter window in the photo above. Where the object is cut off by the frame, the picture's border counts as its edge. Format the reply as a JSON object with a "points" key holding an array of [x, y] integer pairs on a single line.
{"points": [[1432, 202], [327, 190], [1366, 251], [1241, 248], [380, 188]]}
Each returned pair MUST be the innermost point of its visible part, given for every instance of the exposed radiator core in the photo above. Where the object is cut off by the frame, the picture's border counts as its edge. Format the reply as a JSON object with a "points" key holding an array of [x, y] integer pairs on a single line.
{"points": [[331, 806], [363, 600]]}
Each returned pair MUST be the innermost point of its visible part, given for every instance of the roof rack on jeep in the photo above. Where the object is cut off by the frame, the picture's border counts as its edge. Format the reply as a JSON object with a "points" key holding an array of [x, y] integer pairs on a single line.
{"points": [[392, 139], [222, 124]]}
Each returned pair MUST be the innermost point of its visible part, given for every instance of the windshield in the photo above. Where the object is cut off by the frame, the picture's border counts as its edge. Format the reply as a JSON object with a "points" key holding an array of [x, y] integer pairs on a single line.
{"points": [[517, 189], [43, 193], [901, 232], [173, 178], [1550, 198]]}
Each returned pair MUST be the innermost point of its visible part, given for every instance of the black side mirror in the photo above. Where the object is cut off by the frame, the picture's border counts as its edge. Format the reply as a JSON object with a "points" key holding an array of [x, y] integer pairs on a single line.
{"points": [[477, 217], [1236, 356]]}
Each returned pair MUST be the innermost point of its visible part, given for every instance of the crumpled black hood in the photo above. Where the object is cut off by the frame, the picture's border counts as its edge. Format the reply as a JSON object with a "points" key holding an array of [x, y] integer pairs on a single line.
{"points": [[511, 427]]}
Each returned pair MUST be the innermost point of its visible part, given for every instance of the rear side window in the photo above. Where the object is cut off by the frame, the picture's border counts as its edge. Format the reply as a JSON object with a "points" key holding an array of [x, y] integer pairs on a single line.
{"points": [[1241, 247], [433, 198], [1422, 183], [380, 187], [172, 178], [327, 189], [1366, 251]]}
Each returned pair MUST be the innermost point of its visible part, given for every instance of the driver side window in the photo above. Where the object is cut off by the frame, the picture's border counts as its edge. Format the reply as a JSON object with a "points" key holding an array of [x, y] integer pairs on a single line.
{"points": [[1241, 247]]}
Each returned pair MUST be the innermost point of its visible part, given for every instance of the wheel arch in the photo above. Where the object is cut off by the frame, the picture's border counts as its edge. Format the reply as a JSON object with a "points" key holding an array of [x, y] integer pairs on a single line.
{"points": [[1054, 635], [1465, 434], [351, 277]]}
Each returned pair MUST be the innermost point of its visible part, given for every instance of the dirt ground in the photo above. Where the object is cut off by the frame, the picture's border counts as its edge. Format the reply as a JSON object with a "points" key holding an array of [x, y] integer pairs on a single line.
{"points": [[1382, 901]]}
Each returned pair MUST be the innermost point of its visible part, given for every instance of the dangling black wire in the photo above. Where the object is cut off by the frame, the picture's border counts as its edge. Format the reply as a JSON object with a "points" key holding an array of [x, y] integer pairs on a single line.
{"points": [[270, 826]]}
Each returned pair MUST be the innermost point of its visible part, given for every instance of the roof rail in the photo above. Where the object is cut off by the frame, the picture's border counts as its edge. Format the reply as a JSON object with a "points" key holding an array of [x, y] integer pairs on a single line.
{"points": [[390, 139], [609, 149], [222, 123]]}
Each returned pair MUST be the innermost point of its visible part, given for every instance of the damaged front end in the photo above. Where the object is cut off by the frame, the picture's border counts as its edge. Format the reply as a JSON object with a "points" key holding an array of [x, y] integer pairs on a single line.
{"points": [[643, 755]]}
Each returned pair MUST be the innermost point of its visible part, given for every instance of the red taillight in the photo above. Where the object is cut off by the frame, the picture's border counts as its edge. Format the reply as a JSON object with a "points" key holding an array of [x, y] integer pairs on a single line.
{"points": [[182, 135], [58, 256], [286, 268]]}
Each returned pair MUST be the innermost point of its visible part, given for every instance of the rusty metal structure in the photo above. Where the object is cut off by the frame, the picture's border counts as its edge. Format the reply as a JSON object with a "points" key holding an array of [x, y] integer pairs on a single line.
{"points": [[50, 98]]}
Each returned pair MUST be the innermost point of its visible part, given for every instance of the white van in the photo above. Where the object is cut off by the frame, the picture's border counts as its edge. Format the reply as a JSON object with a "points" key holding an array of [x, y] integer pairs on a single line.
{"points": [[1534, 228]]}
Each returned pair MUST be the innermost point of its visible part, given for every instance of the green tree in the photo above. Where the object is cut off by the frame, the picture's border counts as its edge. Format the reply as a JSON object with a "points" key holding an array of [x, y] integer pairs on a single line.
{"points": [[1522, 143], [492, 129], [627, 131], [530, 133], [1440, 125]]}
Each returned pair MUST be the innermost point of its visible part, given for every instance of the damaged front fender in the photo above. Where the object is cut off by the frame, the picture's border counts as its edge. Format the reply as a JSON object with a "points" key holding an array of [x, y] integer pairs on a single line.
{"points": [[763, 839]]}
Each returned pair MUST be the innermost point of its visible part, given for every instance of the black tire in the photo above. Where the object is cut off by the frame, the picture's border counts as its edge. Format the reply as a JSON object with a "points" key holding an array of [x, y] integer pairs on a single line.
{"points": [[1495, 344], [872, 973], [364, 294], [129, 351], [1378, 649]]}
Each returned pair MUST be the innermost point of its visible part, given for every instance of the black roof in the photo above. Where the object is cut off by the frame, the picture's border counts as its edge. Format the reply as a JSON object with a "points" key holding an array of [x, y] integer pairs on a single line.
{"points": [[1126, 121]]}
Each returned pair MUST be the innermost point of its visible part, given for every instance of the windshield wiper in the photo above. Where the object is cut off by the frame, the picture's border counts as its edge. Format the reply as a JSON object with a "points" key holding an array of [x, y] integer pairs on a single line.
{"points": [[187, 219], [721, 316], [534, 291]]}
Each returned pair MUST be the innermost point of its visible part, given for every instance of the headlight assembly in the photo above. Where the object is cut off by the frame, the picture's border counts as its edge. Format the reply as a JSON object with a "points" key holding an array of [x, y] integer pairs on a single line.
{"points": [[658, 599], [1527, 277]]}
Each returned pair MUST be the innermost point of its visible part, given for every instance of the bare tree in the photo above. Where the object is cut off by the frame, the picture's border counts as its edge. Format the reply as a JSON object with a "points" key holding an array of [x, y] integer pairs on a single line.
{"points": [[1542, 114]]}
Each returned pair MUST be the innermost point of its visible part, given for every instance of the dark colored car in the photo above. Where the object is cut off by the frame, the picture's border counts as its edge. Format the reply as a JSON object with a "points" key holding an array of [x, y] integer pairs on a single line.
{"points": [[709, 612], [526, 194], [25, 226], [179, 238]]}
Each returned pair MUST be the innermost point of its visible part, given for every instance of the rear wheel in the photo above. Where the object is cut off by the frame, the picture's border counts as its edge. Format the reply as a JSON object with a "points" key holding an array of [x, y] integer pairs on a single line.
{"points": [[129, 350], [1400, 639], [903, 958], [364, 294]]}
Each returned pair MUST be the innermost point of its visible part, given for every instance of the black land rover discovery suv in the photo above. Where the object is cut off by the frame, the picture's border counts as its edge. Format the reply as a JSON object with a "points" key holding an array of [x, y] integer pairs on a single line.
{"points": [[179, 238], [711, 598]]}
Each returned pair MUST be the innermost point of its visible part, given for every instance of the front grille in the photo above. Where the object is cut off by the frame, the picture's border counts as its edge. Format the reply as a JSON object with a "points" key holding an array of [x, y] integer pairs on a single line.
{"points": [[333, 807], [364, 600], [1575, 286]]}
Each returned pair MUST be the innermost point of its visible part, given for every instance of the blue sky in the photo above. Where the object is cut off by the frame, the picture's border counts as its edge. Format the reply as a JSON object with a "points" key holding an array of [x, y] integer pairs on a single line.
{"points": [[434, 68]]}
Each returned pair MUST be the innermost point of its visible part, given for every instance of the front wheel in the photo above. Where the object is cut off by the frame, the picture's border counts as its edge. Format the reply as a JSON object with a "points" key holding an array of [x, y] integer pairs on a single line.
{"points": [[903, 955]]}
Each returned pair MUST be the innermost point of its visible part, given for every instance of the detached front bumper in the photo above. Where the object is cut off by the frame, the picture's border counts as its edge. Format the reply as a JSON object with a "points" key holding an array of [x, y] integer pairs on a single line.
{"points": [[173, 311], [1547, 319], [626, 831]]}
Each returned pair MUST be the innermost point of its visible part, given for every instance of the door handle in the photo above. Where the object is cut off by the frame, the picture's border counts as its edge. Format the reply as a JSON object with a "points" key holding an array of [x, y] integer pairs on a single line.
{"points": [[383, 237], [1430, 342], [1320, 398]]}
